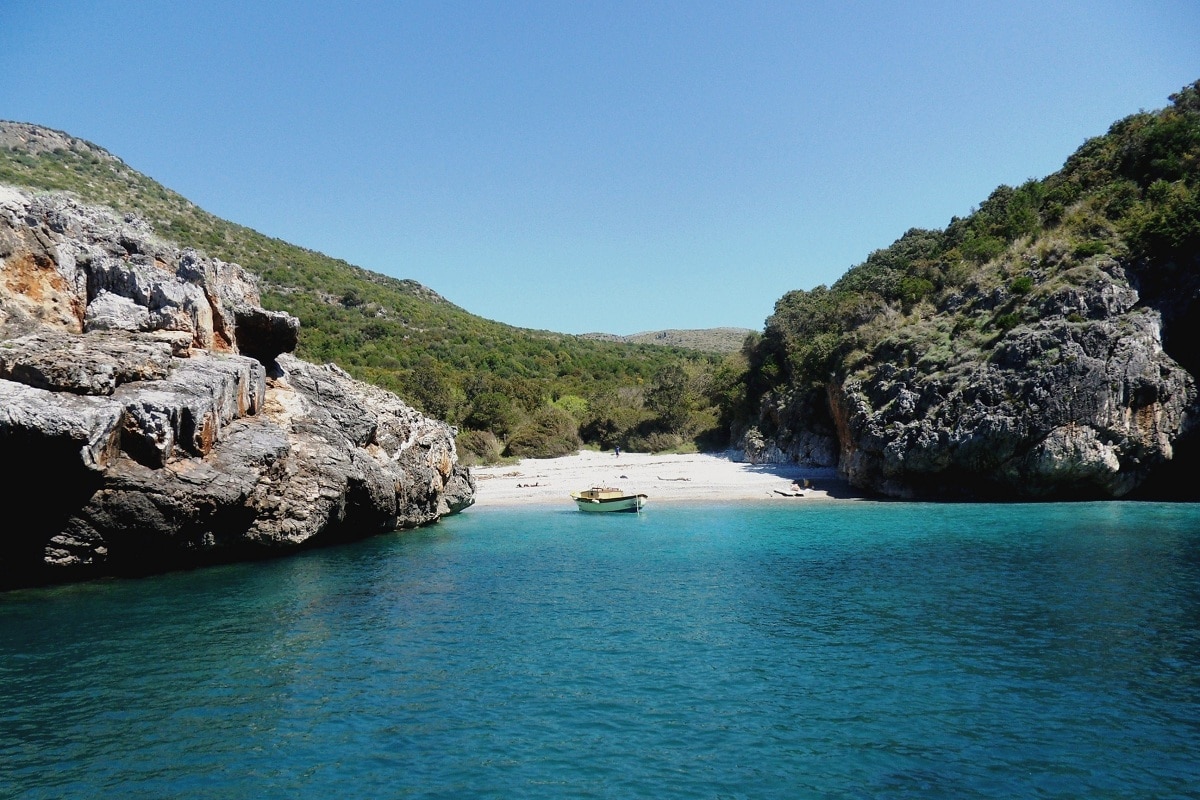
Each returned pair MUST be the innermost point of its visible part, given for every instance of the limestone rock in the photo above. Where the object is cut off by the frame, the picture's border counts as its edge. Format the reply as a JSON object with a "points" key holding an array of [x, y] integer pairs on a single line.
{"points": [[1061, 410], [1083, 403], [153, 418]]}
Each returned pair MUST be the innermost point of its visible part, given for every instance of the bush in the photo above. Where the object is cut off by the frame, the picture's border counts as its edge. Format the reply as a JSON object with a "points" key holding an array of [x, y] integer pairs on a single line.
{"points": [[1052, 214], [493, 411], [1006, 322], [981, 249], [911, 290], [1022, 284], [1170, 229], [551, 433], [655, 442], [963, 325], [476, 448], [1088, 249], [574, 405]]}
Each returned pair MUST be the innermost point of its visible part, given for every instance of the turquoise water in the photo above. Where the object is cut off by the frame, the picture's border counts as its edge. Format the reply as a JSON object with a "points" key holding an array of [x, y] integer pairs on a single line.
{"points": [[827, 650]]}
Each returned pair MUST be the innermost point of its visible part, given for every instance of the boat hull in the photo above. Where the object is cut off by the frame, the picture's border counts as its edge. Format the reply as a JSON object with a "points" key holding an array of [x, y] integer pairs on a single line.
{"points": [[632, 503]]}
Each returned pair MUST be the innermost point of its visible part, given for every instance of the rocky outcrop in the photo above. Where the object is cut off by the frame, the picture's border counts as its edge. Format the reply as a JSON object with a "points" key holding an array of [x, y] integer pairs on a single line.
{"points": [[151, 416], [1060, 410], [1084, 402]]}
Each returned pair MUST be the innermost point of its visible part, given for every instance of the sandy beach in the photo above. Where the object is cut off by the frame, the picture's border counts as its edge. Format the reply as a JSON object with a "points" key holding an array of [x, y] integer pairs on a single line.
{"points": [[665, 478]]}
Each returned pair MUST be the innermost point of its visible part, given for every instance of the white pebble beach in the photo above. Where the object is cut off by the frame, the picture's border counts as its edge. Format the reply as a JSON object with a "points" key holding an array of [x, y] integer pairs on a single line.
{"points": [[664, 478]]}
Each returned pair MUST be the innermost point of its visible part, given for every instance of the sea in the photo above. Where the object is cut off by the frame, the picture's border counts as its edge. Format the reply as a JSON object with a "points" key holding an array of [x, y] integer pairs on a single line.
{"points": [[832, 649]]}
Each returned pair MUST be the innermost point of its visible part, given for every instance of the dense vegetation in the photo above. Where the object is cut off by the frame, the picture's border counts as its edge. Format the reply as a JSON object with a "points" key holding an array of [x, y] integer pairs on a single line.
{"points": [[936, 298], [511, 390]]}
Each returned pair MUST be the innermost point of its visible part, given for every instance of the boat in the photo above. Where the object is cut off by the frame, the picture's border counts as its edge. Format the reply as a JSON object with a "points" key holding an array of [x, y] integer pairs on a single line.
{"points": [[603, 498]]}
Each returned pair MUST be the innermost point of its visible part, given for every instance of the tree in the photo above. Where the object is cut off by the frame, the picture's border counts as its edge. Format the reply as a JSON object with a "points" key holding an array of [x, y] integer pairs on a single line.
{"points": [[493, 411], [429, 388], [612, 414], [672, 399]]}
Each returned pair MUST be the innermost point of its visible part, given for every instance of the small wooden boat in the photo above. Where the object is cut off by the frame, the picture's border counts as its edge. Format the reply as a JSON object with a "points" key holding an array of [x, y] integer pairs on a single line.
{"points": [[608, 499]]}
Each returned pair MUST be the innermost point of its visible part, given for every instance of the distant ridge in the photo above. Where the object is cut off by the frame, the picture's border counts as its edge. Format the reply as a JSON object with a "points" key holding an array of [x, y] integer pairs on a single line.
{"points": [[705, 340]]}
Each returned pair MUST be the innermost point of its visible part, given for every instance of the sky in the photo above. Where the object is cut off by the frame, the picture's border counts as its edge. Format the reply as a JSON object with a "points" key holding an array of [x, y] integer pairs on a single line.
{"points": [[579, 166]]}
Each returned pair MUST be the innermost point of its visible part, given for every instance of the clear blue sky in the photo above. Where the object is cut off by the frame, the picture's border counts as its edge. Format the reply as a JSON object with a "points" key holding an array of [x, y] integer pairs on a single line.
{"points": [[593, 166]]}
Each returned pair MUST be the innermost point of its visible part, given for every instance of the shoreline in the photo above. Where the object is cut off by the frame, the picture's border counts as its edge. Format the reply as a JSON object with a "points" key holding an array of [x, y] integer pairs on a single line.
{"points": [[664, 478]]}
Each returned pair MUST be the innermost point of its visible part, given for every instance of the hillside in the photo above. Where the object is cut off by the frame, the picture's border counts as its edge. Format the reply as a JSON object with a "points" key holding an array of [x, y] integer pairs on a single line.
{"points": [[394, 333], [1041, 347], [706, 340]]}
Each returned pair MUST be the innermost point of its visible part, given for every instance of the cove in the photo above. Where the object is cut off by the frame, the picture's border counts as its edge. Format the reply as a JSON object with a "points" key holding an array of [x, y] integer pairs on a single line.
{"points": [[835, 649]]}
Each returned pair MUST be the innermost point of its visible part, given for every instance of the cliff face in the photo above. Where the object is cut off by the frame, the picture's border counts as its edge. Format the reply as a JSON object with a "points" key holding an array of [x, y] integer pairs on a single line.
{"points": [[151, 417], [1060, 410], [1081, 402]]}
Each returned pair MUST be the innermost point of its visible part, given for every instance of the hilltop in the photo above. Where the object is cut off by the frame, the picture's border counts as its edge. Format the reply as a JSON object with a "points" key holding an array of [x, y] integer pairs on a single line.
{"points": [[706, 340]]}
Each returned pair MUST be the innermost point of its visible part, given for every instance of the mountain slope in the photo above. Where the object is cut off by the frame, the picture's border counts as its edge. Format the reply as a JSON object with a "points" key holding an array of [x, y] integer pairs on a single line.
{"points": [[1043, 346], [395, 333]]}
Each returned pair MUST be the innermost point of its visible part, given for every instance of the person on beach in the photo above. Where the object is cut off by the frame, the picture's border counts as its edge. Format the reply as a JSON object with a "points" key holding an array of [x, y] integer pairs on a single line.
{"points": [[617, 451]]}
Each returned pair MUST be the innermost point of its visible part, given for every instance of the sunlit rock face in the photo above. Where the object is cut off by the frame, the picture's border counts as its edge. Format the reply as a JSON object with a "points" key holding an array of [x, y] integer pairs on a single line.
{"points": [[152, 417]]}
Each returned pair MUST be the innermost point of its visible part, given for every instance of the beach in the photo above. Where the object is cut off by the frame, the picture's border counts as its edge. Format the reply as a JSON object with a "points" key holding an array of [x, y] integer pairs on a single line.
{"points": [[664, 478]]}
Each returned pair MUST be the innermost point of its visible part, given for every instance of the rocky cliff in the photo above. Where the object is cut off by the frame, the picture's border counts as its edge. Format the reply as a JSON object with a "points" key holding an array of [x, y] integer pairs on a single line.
{"points": [[151, 416], [1081, 402], [1042, 348], [1059, 409]]}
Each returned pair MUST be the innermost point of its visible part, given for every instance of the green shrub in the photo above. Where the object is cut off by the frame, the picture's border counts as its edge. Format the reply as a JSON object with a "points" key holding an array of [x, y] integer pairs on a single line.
{"points": [[1022, 284], [911, 290], [1170, 229], [982, 248], [493, 411], [963, 325], [1006, 322], [1052, 214], [574, 405], [476, 448], [1090, 248], [655, 442]]}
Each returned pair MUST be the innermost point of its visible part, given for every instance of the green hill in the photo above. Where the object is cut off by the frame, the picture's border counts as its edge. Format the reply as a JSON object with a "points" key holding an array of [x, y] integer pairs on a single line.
{"points": [[1132, 194], [1058, 258], [473, 372], [706, 340]]}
